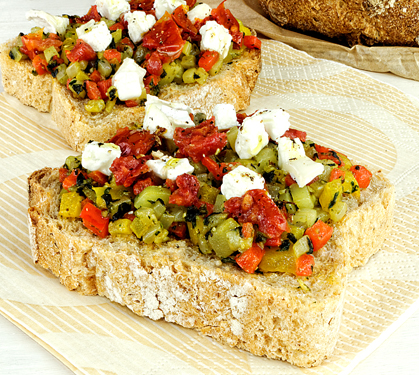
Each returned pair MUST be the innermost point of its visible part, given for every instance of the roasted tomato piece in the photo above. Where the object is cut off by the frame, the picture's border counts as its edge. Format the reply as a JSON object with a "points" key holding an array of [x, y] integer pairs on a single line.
{"points": [[208, 59], [258, 208], [217, 170], [140, 185], [224, 17], [92, 14], [154, 64], [294, 133], [165, 38], [103, 87], [182, 20], [199, 141], [127, 169], [81, 51], [133, 142], [187, 192], [111, 54], [92, 90], [178, 229]]}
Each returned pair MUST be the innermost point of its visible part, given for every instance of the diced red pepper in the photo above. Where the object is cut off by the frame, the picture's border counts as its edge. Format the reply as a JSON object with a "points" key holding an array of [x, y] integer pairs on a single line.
{"points": [[247, 230], [95, 76], [273, 241], [328, 153], [92, 90], [250, 259], [94, 221], [81, 51], [99, 177], [319, 234], [217, 170], [154, 64], [171, 185], [181, 18], [252, 42], [289, 180], [305, 264], [362, 175], [208, 59], [178, 229], [111, 54], [131, 103], [117, 26], [63, 174], [40, 64], [103, 87], [35, 43], [71, 179], [337, 173]]}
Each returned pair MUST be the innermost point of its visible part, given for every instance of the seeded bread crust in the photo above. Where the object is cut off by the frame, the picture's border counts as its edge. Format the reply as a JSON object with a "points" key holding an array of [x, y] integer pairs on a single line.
{"points": [[369, 22], [233, 85], [267, 314]]}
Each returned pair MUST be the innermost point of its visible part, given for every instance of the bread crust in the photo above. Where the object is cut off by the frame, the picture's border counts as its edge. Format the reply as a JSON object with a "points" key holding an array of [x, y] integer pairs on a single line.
{"points": [[267, 314], [385, 22], [233, 85]]}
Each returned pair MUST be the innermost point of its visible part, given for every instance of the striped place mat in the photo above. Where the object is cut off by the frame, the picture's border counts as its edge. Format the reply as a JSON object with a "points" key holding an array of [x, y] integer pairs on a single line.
{"points": [[371, 122]]}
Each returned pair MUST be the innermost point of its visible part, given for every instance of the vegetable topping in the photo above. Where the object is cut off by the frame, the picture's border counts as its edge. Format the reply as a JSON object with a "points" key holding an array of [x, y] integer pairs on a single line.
{"points": [[193, 185], [120, 51]]}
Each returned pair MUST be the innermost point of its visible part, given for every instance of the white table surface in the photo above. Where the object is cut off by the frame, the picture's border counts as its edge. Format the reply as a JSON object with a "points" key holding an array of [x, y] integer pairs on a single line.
{"points": [[20, 355]]}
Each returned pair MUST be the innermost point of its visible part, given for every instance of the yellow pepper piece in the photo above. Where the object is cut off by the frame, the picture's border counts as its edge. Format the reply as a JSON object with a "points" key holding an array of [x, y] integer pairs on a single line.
{"points": [[70, 205], [120, 227], [100, 202], [332, 193]]}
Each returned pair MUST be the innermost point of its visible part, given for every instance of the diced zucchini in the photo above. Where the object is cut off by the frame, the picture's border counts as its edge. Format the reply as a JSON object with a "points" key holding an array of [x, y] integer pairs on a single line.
{"points": [[218, 238], [150, 195], [338, 211], [232, 136], [302, 246], [305, 217], [219, 203], [301, 196]]}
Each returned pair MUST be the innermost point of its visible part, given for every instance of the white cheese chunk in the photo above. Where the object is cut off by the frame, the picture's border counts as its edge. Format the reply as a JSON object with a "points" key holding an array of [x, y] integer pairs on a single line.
{"points": [[128, 80], [163, 6], [163, 114], [139, 23], [251, 138], [112, 9], [241, 179], [199, 12], [215, 37], [289, 149], [292, 159], [100, 156], [275, 121], [97, 35], [225, 116], [50, 23], [154, 118], [170, 168], [303, 170]]}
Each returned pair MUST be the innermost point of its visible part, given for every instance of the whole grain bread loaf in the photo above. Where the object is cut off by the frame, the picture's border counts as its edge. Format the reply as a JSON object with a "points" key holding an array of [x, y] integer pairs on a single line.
{"points": [[384, 22], [276, 315], [232, 85]]}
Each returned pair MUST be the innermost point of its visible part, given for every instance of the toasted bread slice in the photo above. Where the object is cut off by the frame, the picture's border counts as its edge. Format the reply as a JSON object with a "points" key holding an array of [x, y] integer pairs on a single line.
{"points": [[275, 315], [233, 85]]}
